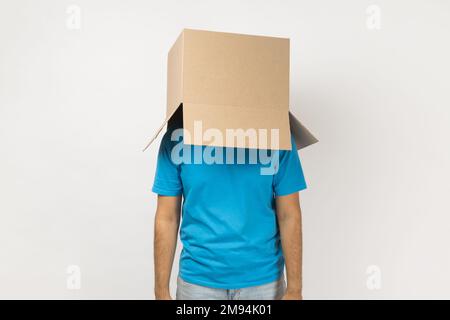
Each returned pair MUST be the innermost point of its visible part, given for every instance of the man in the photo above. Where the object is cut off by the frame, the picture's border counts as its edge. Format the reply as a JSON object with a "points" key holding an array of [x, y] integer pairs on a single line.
{"points": [[239, 227]]}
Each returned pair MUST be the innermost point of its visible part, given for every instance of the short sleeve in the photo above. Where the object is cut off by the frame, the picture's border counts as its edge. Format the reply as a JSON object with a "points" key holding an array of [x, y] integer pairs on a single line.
{"points": [[289, 178], [167, 178]]}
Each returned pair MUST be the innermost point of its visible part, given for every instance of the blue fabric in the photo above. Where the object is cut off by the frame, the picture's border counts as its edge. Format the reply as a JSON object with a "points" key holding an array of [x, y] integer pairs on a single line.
{"points": [[229, 229]]}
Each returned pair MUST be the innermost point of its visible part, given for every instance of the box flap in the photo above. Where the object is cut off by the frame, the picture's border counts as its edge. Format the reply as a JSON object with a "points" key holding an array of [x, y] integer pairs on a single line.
{"points": [[303, 137], [161, 127]]}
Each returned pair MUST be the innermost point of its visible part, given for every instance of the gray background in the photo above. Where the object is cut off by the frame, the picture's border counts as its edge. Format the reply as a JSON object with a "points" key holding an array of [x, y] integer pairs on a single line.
{"points": [[78, 104]]}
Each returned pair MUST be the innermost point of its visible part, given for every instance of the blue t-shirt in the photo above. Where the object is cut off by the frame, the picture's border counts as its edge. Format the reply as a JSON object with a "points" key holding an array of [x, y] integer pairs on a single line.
{"points": [[229, 228]]}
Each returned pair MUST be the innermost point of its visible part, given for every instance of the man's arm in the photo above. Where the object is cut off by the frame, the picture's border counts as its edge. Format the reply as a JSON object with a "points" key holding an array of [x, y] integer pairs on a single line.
{"points": [[167, 221], [290, 224]]}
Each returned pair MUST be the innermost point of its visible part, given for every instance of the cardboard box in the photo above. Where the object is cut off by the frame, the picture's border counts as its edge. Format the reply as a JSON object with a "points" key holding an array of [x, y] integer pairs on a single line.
{"points": [[227, 81]]}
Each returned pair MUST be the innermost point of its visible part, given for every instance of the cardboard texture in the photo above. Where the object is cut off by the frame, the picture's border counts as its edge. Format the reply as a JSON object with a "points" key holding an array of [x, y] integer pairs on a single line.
{"points": [[232, 81]]}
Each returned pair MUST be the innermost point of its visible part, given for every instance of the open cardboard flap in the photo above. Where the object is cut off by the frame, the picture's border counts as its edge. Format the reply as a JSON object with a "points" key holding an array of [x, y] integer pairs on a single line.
{"points": [[303, 137], [162, 126]]}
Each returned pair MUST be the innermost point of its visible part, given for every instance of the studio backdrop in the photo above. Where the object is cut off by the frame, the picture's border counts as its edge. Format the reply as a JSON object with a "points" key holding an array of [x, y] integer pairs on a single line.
{"points": [[83, 87]]}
